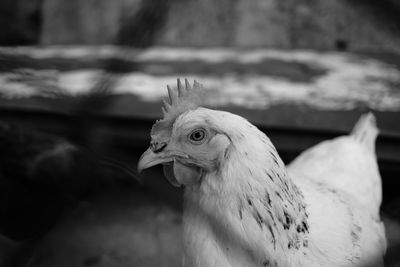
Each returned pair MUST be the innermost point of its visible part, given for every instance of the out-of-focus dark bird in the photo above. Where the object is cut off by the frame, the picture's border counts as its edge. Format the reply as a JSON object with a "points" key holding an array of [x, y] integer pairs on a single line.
{"points": [[63, 205], [244, 207]]}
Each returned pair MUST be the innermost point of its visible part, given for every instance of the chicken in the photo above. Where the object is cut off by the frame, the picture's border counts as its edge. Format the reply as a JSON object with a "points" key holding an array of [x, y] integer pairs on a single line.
{"points": [[243, 207]]}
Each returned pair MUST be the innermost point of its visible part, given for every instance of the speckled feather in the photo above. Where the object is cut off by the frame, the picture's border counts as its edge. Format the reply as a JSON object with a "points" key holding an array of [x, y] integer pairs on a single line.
{"points": [[250, 210]]}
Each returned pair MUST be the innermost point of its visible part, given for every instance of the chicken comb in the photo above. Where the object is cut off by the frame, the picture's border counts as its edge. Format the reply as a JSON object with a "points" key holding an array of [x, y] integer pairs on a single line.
{"points": [[184, 98]]}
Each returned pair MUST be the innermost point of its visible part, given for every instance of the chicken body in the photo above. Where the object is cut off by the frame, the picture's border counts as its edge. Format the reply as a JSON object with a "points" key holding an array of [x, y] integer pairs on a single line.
{"points": [[243, 207], [251, 213], [342, 185]]}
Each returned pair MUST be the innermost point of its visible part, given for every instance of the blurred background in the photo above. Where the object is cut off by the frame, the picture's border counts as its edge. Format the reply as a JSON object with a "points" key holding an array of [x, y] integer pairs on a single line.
{"points": [[81, 83]]}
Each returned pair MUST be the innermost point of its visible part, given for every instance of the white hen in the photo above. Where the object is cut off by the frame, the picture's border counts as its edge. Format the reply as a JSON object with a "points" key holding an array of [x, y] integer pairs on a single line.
{"points": [[243, 207]]}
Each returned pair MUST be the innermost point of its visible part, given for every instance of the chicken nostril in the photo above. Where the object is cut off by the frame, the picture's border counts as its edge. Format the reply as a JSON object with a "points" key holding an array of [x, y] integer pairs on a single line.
{"points": [[157, 147]]}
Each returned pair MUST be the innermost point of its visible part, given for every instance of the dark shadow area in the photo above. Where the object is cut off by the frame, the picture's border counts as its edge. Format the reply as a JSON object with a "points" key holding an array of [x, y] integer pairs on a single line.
{"points": [[385, 12], [141, 29], [341, 45], [21, 22], [49, 182]]}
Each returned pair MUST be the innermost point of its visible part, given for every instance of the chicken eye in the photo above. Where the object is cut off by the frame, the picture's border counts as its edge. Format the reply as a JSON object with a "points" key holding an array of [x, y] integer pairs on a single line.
{"points": [[197, 136]]}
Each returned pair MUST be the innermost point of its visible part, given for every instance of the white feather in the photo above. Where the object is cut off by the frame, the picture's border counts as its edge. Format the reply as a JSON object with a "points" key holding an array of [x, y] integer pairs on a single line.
{"points": [[251, 212]]}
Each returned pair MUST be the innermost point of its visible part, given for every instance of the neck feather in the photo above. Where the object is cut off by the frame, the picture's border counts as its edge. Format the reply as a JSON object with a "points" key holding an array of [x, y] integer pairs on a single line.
{"points": [[251, 201]]}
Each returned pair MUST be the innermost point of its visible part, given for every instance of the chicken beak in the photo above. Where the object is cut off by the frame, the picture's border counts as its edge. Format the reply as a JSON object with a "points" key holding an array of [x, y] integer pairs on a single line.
{"points": [[150, 159], [177, 173]]}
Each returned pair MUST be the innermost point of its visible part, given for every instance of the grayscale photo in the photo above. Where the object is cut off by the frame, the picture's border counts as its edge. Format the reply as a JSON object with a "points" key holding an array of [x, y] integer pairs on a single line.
{"points": [[199, 133]]}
